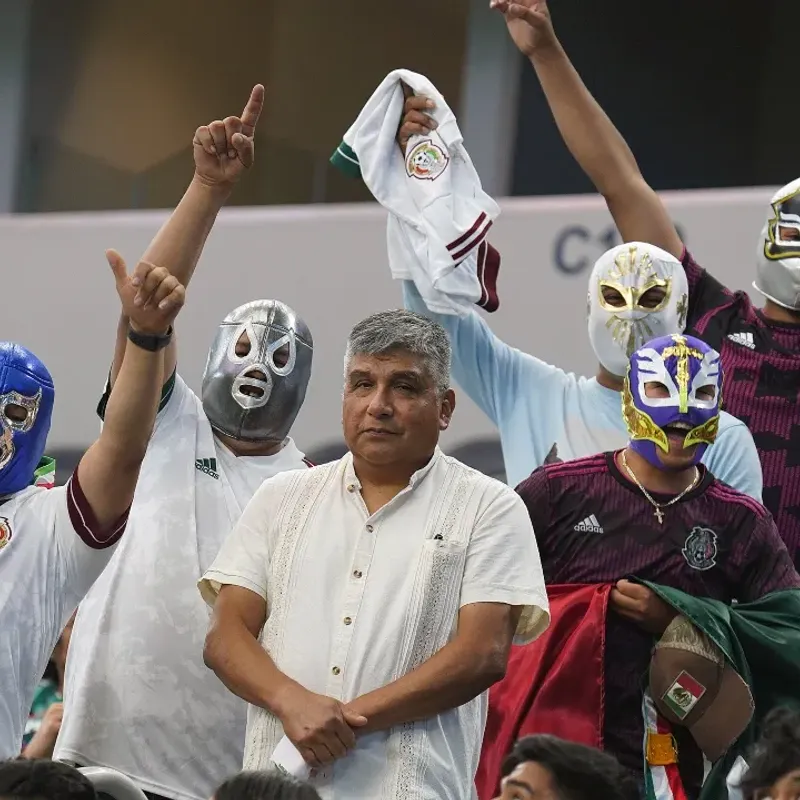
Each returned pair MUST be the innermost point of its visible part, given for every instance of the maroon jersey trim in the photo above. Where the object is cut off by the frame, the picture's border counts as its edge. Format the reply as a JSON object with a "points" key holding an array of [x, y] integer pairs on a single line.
{"points": [[84, 521]]}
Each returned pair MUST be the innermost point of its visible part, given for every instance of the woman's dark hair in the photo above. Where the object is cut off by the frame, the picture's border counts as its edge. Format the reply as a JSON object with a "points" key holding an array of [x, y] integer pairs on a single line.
{"points": [[578, 772], [265, 786], [42, 779], [776, 753]]}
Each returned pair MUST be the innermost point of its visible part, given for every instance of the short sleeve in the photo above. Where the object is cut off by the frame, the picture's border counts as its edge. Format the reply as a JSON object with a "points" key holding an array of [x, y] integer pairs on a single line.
{"points": [[84, 549], [535, 494], [245, 555], [503, 565], [172, 395], [767, 565]]}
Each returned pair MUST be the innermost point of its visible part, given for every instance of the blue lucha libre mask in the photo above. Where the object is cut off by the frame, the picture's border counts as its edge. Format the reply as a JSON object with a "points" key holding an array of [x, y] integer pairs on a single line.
{"points": [[686, 401], [26, 409]]}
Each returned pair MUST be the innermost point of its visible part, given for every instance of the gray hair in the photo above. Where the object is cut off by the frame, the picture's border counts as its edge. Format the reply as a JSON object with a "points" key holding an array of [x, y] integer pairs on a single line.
{"points": [[408, 331]]}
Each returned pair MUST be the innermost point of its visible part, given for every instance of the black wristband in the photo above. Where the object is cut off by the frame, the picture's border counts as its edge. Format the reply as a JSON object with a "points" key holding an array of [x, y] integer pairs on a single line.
{"points": [[149, 341]]}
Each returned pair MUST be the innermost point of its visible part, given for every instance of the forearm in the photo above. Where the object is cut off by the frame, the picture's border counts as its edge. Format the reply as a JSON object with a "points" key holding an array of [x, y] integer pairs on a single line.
{"points": [[589, 134], [179, 243], [447, 680], [132, 406], [247, 670]]}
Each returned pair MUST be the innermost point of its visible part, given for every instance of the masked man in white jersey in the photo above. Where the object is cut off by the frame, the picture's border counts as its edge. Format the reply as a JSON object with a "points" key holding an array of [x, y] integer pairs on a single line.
{"points": [[138, 697], [54, 542], [636, 292]]}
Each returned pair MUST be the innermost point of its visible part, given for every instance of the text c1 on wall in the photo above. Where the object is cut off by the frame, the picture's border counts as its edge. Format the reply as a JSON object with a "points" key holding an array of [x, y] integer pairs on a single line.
{"points": [[576, 247]]}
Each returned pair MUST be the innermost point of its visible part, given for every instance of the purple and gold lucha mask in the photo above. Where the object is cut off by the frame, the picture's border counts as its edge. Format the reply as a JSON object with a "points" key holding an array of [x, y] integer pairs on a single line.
{"points": [[690, 377]]}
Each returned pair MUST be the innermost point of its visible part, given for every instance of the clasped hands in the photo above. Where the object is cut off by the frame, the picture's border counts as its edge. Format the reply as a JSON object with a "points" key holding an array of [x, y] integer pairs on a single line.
{"points": [[321, 728]]}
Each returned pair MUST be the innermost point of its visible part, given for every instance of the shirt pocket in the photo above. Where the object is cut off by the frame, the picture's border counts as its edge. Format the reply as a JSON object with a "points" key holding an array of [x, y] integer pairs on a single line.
{"points": [[432, 612]]}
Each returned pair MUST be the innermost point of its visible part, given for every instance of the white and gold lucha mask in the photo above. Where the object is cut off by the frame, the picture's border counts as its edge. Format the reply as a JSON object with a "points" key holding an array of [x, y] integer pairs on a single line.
{"points": [[778, 257], [637, 292]]}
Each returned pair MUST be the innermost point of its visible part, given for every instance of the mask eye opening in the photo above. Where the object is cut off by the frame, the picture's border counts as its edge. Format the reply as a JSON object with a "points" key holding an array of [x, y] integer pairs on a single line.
{"points": [[653, 298], [243, 345], [706, 394], [16, 414], [612, 297], [656, 390]]}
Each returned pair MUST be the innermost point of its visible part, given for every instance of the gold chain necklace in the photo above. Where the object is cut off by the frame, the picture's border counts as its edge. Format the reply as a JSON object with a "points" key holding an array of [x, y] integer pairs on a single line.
{"points": [[659, 514]]}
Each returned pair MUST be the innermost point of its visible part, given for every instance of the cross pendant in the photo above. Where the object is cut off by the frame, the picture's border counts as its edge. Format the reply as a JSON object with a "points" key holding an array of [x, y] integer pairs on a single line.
{"points": [[659, 515]]}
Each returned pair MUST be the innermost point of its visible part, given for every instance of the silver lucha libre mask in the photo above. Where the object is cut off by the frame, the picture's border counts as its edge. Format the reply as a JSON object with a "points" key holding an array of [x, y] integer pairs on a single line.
{"points": [[257, 372]]}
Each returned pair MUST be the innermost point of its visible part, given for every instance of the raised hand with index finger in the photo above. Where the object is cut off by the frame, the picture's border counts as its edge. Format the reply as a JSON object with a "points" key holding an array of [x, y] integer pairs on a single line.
{"points": [[224, 149]]}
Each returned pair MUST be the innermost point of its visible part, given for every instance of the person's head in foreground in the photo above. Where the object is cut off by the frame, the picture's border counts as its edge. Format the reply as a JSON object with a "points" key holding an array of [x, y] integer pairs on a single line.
{"points": [[545, 767], [26, 410], [264, 786], [671, 402], [256, 376], [397, 396], [637, 292], [43, 779], [778, 255], [774, 763]]}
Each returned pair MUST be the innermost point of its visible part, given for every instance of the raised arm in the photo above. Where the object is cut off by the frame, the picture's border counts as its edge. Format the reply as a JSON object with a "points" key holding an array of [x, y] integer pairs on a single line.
{"points": [[590, 135], [108, 472], [223, 150]]}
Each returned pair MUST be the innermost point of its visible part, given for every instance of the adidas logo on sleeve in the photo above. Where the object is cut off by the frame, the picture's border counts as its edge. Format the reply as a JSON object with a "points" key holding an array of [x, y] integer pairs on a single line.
{"points": [[207, 465], [589, 525]]}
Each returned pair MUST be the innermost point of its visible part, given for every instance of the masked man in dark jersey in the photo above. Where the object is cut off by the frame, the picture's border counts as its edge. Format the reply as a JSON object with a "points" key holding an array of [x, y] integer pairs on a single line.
{"points": [[652, 513], [760, 348]]}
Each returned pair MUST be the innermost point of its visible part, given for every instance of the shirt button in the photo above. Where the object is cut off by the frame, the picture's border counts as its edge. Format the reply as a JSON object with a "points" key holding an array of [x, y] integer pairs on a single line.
{"points": [[357, 573], [370, 528], [351, 488], [347, 620], [336, 670]]}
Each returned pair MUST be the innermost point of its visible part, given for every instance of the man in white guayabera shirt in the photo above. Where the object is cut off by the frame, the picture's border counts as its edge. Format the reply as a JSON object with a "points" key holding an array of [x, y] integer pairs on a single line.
{"points": [[137, 696], [363, 608]]}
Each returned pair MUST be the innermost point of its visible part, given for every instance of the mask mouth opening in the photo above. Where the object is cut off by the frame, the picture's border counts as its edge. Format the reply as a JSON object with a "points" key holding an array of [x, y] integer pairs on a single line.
{"points": [[677, 428], [256, 388]]}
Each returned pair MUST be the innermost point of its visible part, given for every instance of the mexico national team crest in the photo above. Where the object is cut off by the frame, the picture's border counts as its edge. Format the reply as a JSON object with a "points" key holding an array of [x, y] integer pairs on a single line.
{"points": [[700, 548], [5, 532], [426, 161]]}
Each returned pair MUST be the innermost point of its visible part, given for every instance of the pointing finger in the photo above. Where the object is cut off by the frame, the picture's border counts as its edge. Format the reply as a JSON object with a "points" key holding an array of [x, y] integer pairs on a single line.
{"points": [[117, 264], [252, 111]]}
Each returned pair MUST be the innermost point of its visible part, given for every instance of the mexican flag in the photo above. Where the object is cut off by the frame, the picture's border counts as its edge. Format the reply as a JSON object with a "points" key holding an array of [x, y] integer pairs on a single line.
{"points": [[555, 684]]}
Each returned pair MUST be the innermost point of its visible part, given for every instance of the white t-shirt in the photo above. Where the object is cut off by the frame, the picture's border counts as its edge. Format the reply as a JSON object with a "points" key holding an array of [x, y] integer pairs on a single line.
{"points": [[138, 697], [51, 552], [357, 601]]}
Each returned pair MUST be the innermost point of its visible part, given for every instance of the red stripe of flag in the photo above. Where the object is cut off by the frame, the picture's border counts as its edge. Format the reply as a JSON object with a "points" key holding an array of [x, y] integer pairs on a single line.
{"points": [[690, 684]]}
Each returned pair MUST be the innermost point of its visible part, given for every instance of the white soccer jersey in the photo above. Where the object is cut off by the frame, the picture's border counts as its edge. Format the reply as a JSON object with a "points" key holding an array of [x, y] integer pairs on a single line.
{"points": [[51, 552], [138, 697]]}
